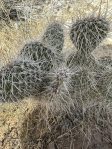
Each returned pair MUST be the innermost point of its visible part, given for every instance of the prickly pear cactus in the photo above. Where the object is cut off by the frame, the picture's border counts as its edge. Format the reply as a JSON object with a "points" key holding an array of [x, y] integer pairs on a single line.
{"points": [[28, 75], [74, 79], [53, 37], [19, 80], [86, 35], [47, 52]]}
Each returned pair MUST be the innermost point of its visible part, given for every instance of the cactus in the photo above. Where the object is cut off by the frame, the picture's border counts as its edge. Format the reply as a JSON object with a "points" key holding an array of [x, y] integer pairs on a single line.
{"points": [[35, 51], [58, 92], [53, 38], [49, 50], [78, 92], [87, 34], [46, 58], [105, 84], [29, 75], [19, 80]]}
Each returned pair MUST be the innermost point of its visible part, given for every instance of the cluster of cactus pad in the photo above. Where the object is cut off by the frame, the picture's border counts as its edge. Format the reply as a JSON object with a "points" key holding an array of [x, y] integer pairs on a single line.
{"points": [[70, 85], [38, 70]]}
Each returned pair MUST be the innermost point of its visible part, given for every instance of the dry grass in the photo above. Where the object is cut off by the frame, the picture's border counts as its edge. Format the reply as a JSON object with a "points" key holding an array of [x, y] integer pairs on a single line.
{"points": [[86, 127]]}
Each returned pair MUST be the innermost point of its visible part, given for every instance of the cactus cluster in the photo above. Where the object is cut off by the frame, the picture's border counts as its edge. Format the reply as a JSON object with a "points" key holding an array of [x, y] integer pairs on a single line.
{"points": [[28, 74], [41, 70], [42, 64]]}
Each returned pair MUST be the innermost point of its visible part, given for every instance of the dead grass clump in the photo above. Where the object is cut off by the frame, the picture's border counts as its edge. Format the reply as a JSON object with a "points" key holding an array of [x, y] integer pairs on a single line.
{"points": [[85, 127]]}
